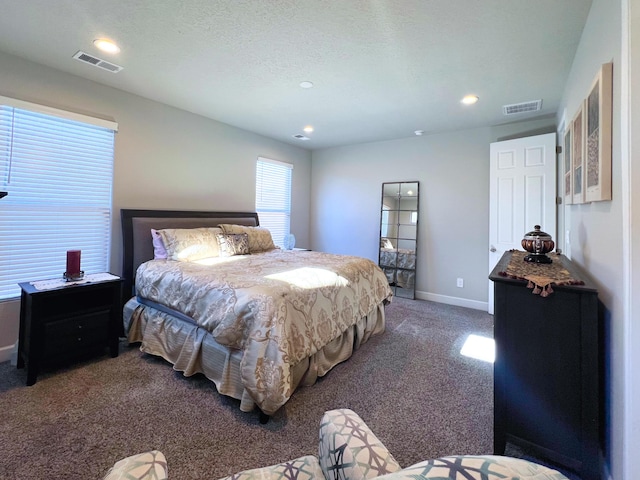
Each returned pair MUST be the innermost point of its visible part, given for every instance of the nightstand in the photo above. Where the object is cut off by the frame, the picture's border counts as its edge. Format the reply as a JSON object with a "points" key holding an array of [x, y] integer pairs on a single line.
{"points": [[61, 322]]}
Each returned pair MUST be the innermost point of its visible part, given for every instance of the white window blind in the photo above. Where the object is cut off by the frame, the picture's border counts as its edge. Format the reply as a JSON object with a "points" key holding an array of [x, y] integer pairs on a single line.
{"points": [[58, 173], [273, 197]]}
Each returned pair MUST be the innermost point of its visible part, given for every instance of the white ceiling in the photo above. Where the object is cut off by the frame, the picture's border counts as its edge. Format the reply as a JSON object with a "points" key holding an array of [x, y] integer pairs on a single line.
{"points": [[381, 68]]}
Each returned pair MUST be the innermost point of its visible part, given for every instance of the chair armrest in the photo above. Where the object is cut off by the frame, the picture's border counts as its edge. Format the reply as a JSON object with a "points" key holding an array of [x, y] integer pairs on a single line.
{"points": [[143, 466], [348, 449]]}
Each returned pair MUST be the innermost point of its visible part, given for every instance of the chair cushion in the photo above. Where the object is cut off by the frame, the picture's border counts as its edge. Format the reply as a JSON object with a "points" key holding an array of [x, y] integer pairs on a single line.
{"points": [[303, 468], [486, 467]]}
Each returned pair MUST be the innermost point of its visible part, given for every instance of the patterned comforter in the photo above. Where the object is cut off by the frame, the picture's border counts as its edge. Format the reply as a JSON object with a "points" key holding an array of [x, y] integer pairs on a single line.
{"points": [[278, 307], [399, 266], [398, 258]]}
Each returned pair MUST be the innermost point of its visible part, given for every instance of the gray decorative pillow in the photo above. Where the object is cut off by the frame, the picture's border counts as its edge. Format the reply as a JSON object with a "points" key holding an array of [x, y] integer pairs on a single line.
{"points": [[233, 244], [260, 239]]}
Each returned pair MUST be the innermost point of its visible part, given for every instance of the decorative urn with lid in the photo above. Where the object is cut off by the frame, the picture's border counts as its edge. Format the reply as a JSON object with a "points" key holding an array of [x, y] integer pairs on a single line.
{"points": [[538, 244]]}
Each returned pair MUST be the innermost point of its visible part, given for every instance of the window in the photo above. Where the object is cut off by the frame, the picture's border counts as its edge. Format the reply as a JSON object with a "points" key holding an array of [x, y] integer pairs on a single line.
{"points": [[58, 169], [384, 224], [273, 197]]}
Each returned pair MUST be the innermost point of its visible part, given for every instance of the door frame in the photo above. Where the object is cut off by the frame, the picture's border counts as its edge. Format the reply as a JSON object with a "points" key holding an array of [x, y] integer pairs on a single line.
{"points": [[551, 209]]}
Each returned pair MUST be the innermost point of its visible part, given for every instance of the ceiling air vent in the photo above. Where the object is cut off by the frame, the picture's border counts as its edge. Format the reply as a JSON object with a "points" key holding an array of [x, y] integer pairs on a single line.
{"points": [[300, 137], [524, 107], [97, 62]]}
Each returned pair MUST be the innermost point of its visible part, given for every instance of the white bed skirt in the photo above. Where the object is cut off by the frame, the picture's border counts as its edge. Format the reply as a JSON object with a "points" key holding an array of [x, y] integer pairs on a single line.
{"points": [[192, 350]]}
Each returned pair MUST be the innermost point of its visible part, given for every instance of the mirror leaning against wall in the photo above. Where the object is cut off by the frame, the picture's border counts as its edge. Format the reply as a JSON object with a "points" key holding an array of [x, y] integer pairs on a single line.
{"points": [[399, 236]]}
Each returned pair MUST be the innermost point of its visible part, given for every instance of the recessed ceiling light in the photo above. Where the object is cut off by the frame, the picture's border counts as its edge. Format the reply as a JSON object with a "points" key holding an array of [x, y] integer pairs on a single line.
{"points": [[306, 84], [469, 99], [419, 132], [106, 45], [308, 129]]}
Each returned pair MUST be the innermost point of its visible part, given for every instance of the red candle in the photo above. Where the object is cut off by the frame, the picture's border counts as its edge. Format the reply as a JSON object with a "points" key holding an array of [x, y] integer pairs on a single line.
{"points": [[73, 262]]}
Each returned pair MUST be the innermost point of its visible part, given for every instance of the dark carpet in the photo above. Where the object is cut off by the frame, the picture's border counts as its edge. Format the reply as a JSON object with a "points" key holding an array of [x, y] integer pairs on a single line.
{"points": [[410, 384]]}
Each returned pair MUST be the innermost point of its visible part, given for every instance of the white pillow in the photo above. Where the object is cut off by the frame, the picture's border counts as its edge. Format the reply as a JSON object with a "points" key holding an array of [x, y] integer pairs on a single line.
{"points": [[190, 244]]}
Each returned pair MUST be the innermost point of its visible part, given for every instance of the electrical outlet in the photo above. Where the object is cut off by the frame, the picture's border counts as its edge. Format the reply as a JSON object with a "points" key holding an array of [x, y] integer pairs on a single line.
{"points": [[459, 283]]}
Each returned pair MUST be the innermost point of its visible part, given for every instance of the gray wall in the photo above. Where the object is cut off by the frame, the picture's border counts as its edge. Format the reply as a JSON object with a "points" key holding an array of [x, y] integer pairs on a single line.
{"points": [[631, 172], [453, 173], [453, 233], [596, 229], [164, 157]]}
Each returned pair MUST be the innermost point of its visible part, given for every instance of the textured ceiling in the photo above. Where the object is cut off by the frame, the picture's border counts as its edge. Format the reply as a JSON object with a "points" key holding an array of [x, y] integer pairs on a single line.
{"points": [[381, 68]]}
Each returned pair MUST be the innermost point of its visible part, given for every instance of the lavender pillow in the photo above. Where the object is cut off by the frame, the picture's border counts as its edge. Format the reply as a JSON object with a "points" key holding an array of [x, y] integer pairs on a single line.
{"points": [[159, 252]]}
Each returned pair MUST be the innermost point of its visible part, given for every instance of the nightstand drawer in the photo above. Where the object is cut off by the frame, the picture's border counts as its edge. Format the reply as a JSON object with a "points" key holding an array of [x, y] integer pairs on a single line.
{"points": [[76, 333], [76, 302]]}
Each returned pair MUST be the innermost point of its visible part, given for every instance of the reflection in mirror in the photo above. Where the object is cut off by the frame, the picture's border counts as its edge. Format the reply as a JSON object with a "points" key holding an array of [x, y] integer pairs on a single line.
{"points": [[399, 236]]}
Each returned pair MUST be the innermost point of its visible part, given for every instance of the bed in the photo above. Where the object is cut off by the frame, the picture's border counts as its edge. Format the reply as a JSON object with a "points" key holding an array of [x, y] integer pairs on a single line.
{"points": [[257, 325]]}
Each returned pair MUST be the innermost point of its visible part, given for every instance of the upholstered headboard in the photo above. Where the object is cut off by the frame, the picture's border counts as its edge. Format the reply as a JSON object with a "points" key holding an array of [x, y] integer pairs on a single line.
{"points": [[136, 233]]}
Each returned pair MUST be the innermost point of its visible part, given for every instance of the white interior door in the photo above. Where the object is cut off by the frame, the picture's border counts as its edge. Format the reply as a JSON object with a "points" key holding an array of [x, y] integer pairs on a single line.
{"points": [[522, 193]]}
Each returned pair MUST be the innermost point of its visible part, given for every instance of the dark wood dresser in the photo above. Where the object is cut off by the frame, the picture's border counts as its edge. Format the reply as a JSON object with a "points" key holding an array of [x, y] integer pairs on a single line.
{"points": [[547, 372], [61, 324]]}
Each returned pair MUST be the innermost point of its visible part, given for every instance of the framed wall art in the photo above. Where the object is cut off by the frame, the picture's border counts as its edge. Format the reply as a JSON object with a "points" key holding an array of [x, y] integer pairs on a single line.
{"points": [[568, 173], [597, 119], [577, 156]]}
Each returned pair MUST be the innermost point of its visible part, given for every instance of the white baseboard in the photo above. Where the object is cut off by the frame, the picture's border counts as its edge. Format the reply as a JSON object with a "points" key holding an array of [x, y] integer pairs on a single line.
{"points": [[6, 353], [457, 301]]}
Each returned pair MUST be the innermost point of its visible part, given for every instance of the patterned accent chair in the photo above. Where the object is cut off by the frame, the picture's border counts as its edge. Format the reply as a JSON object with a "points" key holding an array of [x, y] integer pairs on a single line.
{"points": [[148, 466], [348, 450]]}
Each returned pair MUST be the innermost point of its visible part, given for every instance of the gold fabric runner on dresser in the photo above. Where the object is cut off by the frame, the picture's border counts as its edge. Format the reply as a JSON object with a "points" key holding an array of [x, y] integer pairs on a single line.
{"points": [[539, 275]]}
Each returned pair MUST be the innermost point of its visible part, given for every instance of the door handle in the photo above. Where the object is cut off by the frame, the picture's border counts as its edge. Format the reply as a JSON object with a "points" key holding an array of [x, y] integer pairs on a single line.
{"points": [[492, 249]]}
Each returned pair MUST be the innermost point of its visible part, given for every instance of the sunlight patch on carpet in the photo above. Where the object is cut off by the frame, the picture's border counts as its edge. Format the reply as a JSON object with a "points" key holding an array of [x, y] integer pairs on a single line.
{"points": [[479, 347]]}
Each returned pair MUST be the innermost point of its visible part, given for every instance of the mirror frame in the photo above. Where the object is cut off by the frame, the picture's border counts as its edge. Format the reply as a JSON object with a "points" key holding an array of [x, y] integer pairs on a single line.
{"points": [[397, 252]]}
